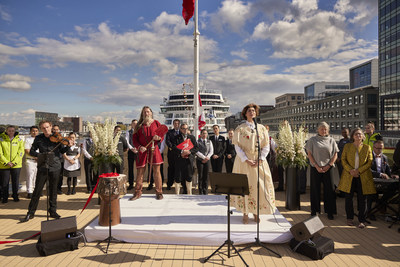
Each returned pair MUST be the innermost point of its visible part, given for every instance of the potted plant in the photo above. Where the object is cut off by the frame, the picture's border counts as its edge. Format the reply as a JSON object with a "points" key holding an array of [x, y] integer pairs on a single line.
{"points": [[292, 157], [105, 145]]}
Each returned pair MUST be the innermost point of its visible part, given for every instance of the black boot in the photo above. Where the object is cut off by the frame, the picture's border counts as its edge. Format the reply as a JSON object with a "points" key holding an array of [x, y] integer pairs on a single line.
{"points": [[69, 185], [74, 185]]}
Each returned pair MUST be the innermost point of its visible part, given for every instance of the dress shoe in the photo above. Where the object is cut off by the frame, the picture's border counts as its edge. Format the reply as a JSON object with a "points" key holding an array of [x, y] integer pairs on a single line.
{"points": [[168, 187], [68, 192], [330, 216], [73, 192], [16, 199], [27, 217], [350, 222], [5, 200], [159, 197], [130, 187], [29, 195], [134, 197], [149, 187], [59, 192], [55, 215]]}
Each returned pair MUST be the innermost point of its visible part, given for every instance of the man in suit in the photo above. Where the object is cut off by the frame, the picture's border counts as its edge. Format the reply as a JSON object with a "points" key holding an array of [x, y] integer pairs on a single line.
{"points": [[172, 156], [90, 173], [230, 152], [218, 141], [132, 154], [203, 161], [185, 160], [380, 169]]}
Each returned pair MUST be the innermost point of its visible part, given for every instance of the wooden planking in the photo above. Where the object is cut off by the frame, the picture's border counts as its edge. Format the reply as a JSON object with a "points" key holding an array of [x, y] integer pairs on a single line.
{"points": [[376, 245]]}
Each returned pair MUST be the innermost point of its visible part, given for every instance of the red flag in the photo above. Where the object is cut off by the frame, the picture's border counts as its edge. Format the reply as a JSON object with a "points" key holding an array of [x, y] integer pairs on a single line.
{"points": [[200, 104], [185, 145], [188, 10], [202, 120], [161, 130]]}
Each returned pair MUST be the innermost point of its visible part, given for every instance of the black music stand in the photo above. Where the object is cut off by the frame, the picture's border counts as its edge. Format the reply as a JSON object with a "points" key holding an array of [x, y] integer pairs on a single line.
{"points": [[258, 243], [110, 238], [230, 184], [45, 160]]}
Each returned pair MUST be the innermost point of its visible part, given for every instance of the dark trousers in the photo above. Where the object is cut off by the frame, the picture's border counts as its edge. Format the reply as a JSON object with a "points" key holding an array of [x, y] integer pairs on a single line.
{"points": [[316, 179], [60, 177], [183, 170], [229, 164], [40, 182], [5, 180], [119, 168], [280, 177], [356, 186], [340, 168], [91, 178], [217, 164], [171, 168], [131, 163], [202, 171]]}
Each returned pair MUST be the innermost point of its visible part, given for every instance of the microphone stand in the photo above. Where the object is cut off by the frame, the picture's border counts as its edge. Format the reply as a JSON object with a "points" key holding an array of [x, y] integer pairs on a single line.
{"points": [[258, 243]]}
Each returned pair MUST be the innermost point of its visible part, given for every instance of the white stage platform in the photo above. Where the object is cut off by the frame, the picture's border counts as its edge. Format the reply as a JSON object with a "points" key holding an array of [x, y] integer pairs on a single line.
{"points": [[187, 220]]}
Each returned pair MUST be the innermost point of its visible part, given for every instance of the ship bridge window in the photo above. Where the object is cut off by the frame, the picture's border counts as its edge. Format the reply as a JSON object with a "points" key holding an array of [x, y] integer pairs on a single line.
{"points": [[210, 96]]}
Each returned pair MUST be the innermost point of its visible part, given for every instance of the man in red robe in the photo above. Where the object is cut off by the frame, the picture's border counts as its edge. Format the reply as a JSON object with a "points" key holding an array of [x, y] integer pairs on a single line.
{"points": [[143, 137]]}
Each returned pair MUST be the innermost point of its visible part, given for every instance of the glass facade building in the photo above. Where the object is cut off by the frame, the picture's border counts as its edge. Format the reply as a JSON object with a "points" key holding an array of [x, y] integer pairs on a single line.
{"points": [[389, 65]]}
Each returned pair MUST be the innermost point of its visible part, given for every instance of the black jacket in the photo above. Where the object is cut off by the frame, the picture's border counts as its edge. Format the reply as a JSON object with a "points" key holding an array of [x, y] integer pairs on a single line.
{"points": [[44, 145], [230, 149], [384, 167], [179, 139], [219, 145]]}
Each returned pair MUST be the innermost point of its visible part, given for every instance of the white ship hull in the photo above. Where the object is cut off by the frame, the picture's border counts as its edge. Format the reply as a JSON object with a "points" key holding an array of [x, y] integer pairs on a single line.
{"points": [[179, 105]]}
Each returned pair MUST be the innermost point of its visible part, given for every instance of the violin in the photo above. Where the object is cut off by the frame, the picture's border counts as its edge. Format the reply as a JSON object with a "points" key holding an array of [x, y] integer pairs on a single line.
{"points": [[58, 138]]}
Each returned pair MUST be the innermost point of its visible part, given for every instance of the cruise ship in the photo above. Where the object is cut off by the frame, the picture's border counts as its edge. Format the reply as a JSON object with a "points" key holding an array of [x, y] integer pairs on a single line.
{"points": [[179, 105]]}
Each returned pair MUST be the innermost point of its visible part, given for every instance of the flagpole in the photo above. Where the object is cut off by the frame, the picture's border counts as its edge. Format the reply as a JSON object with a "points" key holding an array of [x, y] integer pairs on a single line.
{"points": [[196, 71]]}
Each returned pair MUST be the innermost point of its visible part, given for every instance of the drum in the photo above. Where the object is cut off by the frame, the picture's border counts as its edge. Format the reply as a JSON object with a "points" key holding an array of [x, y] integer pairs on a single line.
{"points": [[109, 189]]}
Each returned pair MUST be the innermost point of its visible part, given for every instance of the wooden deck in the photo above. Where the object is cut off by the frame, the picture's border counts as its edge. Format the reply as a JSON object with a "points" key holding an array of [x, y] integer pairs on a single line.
{"points": [[376, 245]]}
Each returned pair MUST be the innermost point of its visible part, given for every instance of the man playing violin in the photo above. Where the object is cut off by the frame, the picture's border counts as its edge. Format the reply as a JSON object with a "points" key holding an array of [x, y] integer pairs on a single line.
{"points": [[50, 168]]}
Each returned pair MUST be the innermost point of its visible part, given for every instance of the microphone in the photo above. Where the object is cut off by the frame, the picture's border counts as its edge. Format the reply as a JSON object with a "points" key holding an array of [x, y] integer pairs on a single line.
{"points": [[255, 121]]}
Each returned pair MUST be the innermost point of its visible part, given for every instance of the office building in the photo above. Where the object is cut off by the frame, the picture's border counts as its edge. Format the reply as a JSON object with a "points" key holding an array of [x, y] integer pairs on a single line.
{"points": [[321, 90], [389, 65], [288, 100]]}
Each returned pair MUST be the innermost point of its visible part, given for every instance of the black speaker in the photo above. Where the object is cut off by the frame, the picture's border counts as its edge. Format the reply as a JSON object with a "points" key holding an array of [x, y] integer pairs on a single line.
{"points": [[308, 228], [58, 229]]}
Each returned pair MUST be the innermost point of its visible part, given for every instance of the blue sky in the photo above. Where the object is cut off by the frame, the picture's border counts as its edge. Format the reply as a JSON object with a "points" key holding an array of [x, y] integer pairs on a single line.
{"points": [[99, 58]]}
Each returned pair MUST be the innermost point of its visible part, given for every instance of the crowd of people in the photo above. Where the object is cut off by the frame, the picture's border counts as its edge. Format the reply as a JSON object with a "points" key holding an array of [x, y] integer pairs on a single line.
{"points": [[248, 149]]}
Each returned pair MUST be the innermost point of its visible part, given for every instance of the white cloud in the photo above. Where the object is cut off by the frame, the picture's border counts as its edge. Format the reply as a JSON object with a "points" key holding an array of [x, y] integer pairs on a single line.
{"points": [[15, 82], [232, 15], [158, 47], [6, 16], [21, 117], [306, 32], [241, 53], [245, 84], [360, 12], [316, 36]]}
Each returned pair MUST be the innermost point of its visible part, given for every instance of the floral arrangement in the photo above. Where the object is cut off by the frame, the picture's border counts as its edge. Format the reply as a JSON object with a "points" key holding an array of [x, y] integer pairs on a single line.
{"points": [[105, 143], [290, 151], [299, 138]]}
